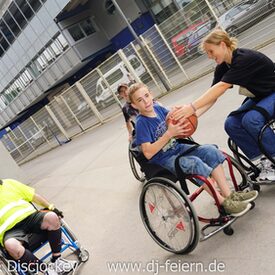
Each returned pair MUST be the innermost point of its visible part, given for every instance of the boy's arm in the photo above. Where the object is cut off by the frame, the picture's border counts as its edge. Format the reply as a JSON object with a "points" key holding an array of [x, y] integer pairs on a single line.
{"points": [[150, 149], [130, 129]]}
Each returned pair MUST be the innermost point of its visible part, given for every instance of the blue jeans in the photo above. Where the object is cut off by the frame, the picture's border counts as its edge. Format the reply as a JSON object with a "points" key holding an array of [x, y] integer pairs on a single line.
{"points": [[244, 128], [200, 161]]}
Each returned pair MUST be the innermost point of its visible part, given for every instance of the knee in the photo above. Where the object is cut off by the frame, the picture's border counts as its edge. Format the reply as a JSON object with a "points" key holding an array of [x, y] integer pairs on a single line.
{"points": [[229, 126], [50, 221], [14, 248], [253, 120]]}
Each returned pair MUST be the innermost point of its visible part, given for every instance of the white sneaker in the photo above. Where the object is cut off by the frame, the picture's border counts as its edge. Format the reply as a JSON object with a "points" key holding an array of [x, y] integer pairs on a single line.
{"points": [[50, 271], [267, 170], [61, 266]]}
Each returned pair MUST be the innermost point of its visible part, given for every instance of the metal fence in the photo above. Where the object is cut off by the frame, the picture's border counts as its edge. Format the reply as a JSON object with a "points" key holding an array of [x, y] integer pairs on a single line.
{"points": [[168, 53]]}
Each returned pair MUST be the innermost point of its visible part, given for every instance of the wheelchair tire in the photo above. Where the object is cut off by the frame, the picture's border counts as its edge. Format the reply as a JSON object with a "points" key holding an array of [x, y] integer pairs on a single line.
{"points": [[4, 267], [168, 216], [138, 174]]}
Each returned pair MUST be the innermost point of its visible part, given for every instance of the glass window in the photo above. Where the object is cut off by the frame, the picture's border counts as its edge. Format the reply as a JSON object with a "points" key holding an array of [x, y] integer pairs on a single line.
{"points": [[135, 63], [55, 47], [35, 4], [3, 42], [87, 26], [110, 7], [25, 8], [48, 55], [82, 29], [115, 76], [60, 39], [12, 24], [6, 32], [17, 15], [76, 32], [42, 62], [33, 69], [1, 51]]}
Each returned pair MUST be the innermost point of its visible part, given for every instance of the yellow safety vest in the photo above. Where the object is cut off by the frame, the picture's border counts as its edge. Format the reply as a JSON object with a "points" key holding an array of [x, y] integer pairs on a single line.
{"points": [[14, 204]]}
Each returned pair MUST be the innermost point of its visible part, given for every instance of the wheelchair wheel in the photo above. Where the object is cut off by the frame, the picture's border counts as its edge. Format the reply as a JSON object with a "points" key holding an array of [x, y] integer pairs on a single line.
{"points": [[239, 173], [4, 270], [168, 216], [138, 174]]}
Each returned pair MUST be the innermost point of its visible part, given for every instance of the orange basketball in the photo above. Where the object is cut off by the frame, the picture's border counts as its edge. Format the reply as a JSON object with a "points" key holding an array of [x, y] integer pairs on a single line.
{"points": [[193, 124]]}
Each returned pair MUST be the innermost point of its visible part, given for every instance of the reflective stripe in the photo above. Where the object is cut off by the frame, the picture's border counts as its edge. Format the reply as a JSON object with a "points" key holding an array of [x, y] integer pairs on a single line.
{"points": [[12, 218], [9, 206]]}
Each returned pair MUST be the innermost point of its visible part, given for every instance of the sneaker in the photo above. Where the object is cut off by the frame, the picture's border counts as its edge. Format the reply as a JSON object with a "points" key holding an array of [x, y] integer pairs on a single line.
{"points": [[61, 266], [267, 170], [243, 196], [50, 271], [235, 208]]}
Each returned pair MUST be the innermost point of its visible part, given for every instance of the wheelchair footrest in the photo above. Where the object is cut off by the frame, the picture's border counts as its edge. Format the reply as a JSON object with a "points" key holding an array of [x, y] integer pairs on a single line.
{"points": [[218, 227]]}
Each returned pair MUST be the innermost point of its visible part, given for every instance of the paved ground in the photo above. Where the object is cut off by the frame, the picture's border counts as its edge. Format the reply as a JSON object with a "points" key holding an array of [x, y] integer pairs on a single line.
{"points": [[90, 180]]}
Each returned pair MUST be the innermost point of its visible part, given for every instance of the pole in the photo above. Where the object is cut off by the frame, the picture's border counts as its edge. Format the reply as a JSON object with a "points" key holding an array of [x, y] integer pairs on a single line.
{"points": [[162, 79]]}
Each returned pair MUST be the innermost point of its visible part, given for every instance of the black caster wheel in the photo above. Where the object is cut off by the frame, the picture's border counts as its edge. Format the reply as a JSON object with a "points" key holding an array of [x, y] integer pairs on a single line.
{"points": [[228, 231], [83, 255], [252, 204], [256, 187]]}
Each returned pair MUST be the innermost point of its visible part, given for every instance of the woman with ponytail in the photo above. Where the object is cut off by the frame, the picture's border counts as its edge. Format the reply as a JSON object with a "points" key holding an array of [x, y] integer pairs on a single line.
{"points": [[254, 72]]}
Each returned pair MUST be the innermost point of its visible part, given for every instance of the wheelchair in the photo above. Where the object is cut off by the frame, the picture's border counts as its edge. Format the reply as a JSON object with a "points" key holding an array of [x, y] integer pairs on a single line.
{"points": [[167, 208], [38, 245], [247, 165]]}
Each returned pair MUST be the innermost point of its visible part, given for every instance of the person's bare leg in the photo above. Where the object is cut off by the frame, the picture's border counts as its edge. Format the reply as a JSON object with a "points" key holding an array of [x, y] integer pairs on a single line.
{"points": [[219, 177]]}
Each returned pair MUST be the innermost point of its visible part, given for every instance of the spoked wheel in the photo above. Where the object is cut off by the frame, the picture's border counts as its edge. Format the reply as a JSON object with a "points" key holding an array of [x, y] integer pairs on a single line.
{"points": [[239, 174], [168, 216], [138, 174]]}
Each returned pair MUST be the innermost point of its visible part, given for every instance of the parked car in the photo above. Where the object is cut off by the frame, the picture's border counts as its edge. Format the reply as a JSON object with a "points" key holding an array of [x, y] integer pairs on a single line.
{"points": [[180, 41], [194, 40], [245, 14]]}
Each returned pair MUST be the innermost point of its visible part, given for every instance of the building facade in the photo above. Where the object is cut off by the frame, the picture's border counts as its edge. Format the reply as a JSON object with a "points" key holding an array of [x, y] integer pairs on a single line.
{"points": [[48, 44]]}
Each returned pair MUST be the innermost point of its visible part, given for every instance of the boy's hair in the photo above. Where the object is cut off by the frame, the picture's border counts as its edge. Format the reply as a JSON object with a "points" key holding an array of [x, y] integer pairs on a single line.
{"points": [[217, 36], [122, 85], [133, 88]]}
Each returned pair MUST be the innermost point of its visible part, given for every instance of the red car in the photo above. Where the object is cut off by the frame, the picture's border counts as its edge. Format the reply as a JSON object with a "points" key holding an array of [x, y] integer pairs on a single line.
{"points": [[180, 41]]}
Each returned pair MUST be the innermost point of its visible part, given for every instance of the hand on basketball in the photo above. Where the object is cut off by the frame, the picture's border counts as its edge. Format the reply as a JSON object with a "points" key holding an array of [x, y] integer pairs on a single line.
{"points": [[174, 129], [184, 111]]}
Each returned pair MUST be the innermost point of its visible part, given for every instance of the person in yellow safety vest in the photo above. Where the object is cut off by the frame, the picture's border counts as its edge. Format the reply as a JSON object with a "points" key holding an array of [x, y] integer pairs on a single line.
{"points": [[19, 218]]}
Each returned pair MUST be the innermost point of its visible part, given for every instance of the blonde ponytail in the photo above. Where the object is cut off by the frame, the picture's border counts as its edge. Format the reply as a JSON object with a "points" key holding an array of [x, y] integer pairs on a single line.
{"points": [[217, 36]]}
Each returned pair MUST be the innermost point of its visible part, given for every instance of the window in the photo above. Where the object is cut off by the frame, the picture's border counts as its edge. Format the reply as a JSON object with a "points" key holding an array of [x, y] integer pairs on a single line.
{"points": [[25, 8], [114, 77], [87, 27], [35, 4], [60, 39], [76, 33], [3, 42], [12, 24], [135, 63], [1, 51], [6, 32], [110, 7], [16, 13], [82, 29]]}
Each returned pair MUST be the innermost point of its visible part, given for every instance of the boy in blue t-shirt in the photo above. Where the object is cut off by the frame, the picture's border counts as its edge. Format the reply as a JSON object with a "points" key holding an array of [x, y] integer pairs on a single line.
{"points": [[159, 146]]}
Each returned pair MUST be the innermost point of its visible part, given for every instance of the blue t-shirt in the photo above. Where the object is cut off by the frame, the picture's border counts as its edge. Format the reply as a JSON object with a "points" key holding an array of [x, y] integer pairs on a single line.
{"points": [[150, 129]]}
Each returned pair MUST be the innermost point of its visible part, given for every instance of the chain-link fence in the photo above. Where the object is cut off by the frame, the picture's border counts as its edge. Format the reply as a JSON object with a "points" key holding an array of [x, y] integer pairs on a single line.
{"points": [[165, 57]]}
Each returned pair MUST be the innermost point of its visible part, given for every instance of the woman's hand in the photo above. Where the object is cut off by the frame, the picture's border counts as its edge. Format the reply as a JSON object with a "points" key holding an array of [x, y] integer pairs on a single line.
{"points": [[183, 112]]}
